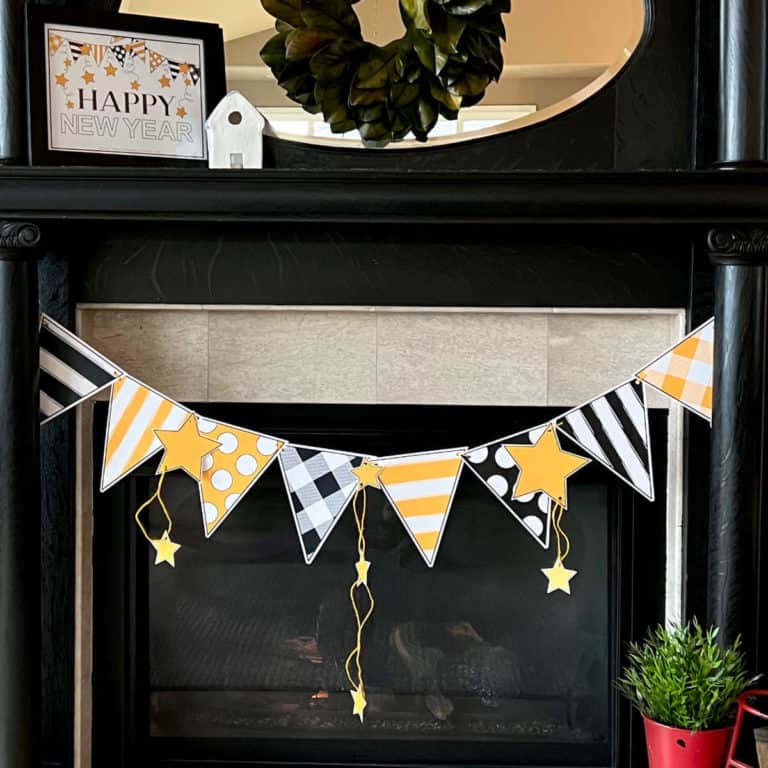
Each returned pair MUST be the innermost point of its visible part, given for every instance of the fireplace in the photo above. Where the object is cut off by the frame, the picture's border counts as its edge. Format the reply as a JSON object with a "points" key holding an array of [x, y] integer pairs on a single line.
{"points": [[237, 654]]}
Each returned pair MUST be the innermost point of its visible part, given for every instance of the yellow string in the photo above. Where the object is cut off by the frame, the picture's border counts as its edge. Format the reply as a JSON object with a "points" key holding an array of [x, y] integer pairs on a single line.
{"points": [[358, 683], [156, 496], [560, 535]]}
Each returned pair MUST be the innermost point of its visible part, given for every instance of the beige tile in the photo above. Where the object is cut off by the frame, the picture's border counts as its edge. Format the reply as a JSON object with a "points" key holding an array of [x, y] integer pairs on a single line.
{"points": [[451, 358], [589, 354], [293, 356], [166, 349]]}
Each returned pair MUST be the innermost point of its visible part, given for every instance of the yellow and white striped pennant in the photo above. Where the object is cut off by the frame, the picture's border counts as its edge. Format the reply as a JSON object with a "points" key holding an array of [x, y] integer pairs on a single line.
{"points": [[135, 411], [421, 487]]}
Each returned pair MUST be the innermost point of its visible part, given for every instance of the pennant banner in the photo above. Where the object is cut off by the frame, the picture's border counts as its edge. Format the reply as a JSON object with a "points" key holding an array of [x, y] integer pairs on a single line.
{"points": [[232, 469], [613, 429], [494, 465], [421, 487], [320, 485], [684, 372], [135, 412], [70, 370]]}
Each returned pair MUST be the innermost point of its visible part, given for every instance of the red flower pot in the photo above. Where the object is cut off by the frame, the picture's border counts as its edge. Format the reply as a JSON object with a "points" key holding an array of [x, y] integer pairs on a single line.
{"points": [[677, 748]]}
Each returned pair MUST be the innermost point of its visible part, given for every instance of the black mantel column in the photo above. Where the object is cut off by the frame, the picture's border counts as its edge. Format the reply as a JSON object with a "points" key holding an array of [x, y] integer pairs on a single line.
{"points": [[19, 498], [738, 527]]}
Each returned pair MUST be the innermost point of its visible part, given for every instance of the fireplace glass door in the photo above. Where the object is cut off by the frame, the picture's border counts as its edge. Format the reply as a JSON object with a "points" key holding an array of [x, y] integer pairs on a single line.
{"points": [[236, 655]]}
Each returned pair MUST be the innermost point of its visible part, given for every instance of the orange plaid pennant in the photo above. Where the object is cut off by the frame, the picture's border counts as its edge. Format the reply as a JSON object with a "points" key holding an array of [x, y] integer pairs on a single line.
{"points": [[684, 372]]}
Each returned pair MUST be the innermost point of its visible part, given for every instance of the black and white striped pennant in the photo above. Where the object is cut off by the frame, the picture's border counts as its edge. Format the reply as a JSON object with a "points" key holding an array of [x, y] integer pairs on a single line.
{"points": [[70, 370], [613, 429]]}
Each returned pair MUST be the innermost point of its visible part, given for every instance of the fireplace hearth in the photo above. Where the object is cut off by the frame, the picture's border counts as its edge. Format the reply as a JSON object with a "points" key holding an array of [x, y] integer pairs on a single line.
{"points": [[239, 651]]}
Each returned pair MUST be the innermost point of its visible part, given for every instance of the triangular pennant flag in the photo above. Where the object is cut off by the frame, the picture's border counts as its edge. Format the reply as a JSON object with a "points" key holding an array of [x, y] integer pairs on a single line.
{"points": [[493, 464], [138, 48], [155, 60], [613, 429], [684, 372], [120, 53], [232, 469], [98, 52], [70, 370], [320, 484], [76, 49], [174, 68], [135, 411], [421, 487]]}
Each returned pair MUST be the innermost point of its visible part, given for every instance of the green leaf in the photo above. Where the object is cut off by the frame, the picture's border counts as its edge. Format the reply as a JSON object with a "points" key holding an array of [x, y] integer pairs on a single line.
{"points": [[286, 10], [331, 15], [415, 14], [303, 43], [379, 70], [273, 52], [403, 93]]}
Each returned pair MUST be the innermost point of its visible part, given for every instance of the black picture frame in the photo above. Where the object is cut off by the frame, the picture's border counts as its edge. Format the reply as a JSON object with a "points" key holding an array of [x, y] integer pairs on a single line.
{"points": [[212, 78]]}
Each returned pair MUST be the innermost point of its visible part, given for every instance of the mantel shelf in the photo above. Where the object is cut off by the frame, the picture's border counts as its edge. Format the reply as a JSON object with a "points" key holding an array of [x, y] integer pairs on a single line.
{"points": [[638, 198]]}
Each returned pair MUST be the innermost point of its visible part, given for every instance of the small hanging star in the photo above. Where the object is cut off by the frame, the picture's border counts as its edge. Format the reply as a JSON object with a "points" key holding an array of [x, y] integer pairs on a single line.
{"points": [[166, 550], [135, 85], [367, 474], [181, 112], [165, 81], [185, 448], [62, 80], [362, 567], [111, 70], [88, 76], [358, 702], [559, 577]]}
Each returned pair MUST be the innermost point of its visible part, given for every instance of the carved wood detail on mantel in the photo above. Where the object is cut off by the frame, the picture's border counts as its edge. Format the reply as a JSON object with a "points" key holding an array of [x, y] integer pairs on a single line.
{"points": [[738, 246], [16, 236]]}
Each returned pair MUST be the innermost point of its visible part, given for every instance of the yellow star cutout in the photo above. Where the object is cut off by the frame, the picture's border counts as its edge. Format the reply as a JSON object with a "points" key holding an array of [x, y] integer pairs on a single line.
{"points": [[85, 49], [185, 448], [67, 63], [367, 474], [62, 80], [111, 70], [358, 702], [166, 550], [70, 104], [362, 567], [187, 81], [184, 68], [165, 81], [135, 85], [181, 112], [88, 76], [545, 467], [559, 577]]}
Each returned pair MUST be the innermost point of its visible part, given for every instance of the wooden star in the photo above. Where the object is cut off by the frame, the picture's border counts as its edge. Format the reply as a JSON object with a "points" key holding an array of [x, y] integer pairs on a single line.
{"points": [[185, 448], [62, 80], [358, 702], [559, 577], [166, 550], [88, 76], [165, 81], [362, 566], [111, 70], [135, 85], [181, 112], [367, 474], [545, 467]]}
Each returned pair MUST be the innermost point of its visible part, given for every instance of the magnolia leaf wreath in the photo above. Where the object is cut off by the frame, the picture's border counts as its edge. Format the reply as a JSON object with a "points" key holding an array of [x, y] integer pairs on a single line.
{"points": [[449, 54]]}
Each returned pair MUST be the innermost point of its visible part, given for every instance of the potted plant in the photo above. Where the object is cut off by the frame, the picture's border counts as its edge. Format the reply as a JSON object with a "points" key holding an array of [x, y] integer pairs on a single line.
{"points": [[685, 686]]}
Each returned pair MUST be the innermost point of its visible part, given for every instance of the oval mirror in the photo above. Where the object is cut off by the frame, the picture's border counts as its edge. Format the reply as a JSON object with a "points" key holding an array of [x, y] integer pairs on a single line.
{"points": [[556, 54]]}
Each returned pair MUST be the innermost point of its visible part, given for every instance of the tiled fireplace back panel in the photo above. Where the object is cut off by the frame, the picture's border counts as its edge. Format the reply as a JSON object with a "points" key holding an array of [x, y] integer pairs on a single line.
{"points": [[380, 355]]}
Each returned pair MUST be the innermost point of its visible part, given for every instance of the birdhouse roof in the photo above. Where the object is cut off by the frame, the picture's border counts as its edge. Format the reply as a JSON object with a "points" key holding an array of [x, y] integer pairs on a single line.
{"points": [[235, 101]]}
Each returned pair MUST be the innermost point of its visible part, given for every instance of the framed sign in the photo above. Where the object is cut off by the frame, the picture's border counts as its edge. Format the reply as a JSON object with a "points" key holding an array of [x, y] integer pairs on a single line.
{"points": [[116, 89]]}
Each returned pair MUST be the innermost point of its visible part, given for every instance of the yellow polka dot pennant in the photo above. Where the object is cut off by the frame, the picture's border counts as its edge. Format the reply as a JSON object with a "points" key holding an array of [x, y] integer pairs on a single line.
{"points": [[232, 469]]}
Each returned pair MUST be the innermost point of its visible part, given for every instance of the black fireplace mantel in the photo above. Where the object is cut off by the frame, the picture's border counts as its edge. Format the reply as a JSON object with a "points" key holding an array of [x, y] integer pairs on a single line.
{"points": [[715, 197]]}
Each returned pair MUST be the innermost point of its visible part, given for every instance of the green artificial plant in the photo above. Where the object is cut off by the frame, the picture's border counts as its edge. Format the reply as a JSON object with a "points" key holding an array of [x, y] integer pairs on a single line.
{"points": [[683, 678]]}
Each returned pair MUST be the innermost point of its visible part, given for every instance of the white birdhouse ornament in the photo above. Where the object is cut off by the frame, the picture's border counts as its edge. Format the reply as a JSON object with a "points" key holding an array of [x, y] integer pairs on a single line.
{"points": [[234, 132]]}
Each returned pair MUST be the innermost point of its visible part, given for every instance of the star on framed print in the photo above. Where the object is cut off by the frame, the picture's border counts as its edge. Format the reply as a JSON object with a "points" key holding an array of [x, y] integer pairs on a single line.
{"points": [[116, 89]]}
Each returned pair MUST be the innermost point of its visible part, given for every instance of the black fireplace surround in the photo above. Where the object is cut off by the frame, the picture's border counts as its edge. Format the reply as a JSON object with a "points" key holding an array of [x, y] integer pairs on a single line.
{"points": [[653, 193]]}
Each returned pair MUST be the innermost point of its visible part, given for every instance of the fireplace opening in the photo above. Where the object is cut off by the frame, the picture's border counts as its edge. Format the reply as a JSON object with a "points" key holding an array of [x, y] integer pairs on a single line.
{"points": [[238, 653]]}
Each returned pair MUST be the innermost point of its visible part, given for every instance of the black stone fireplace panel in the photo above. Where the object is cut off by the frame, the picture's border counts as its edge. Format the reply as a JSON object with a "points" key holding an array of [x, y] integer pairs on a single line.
{"points": [[237, 654]]}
